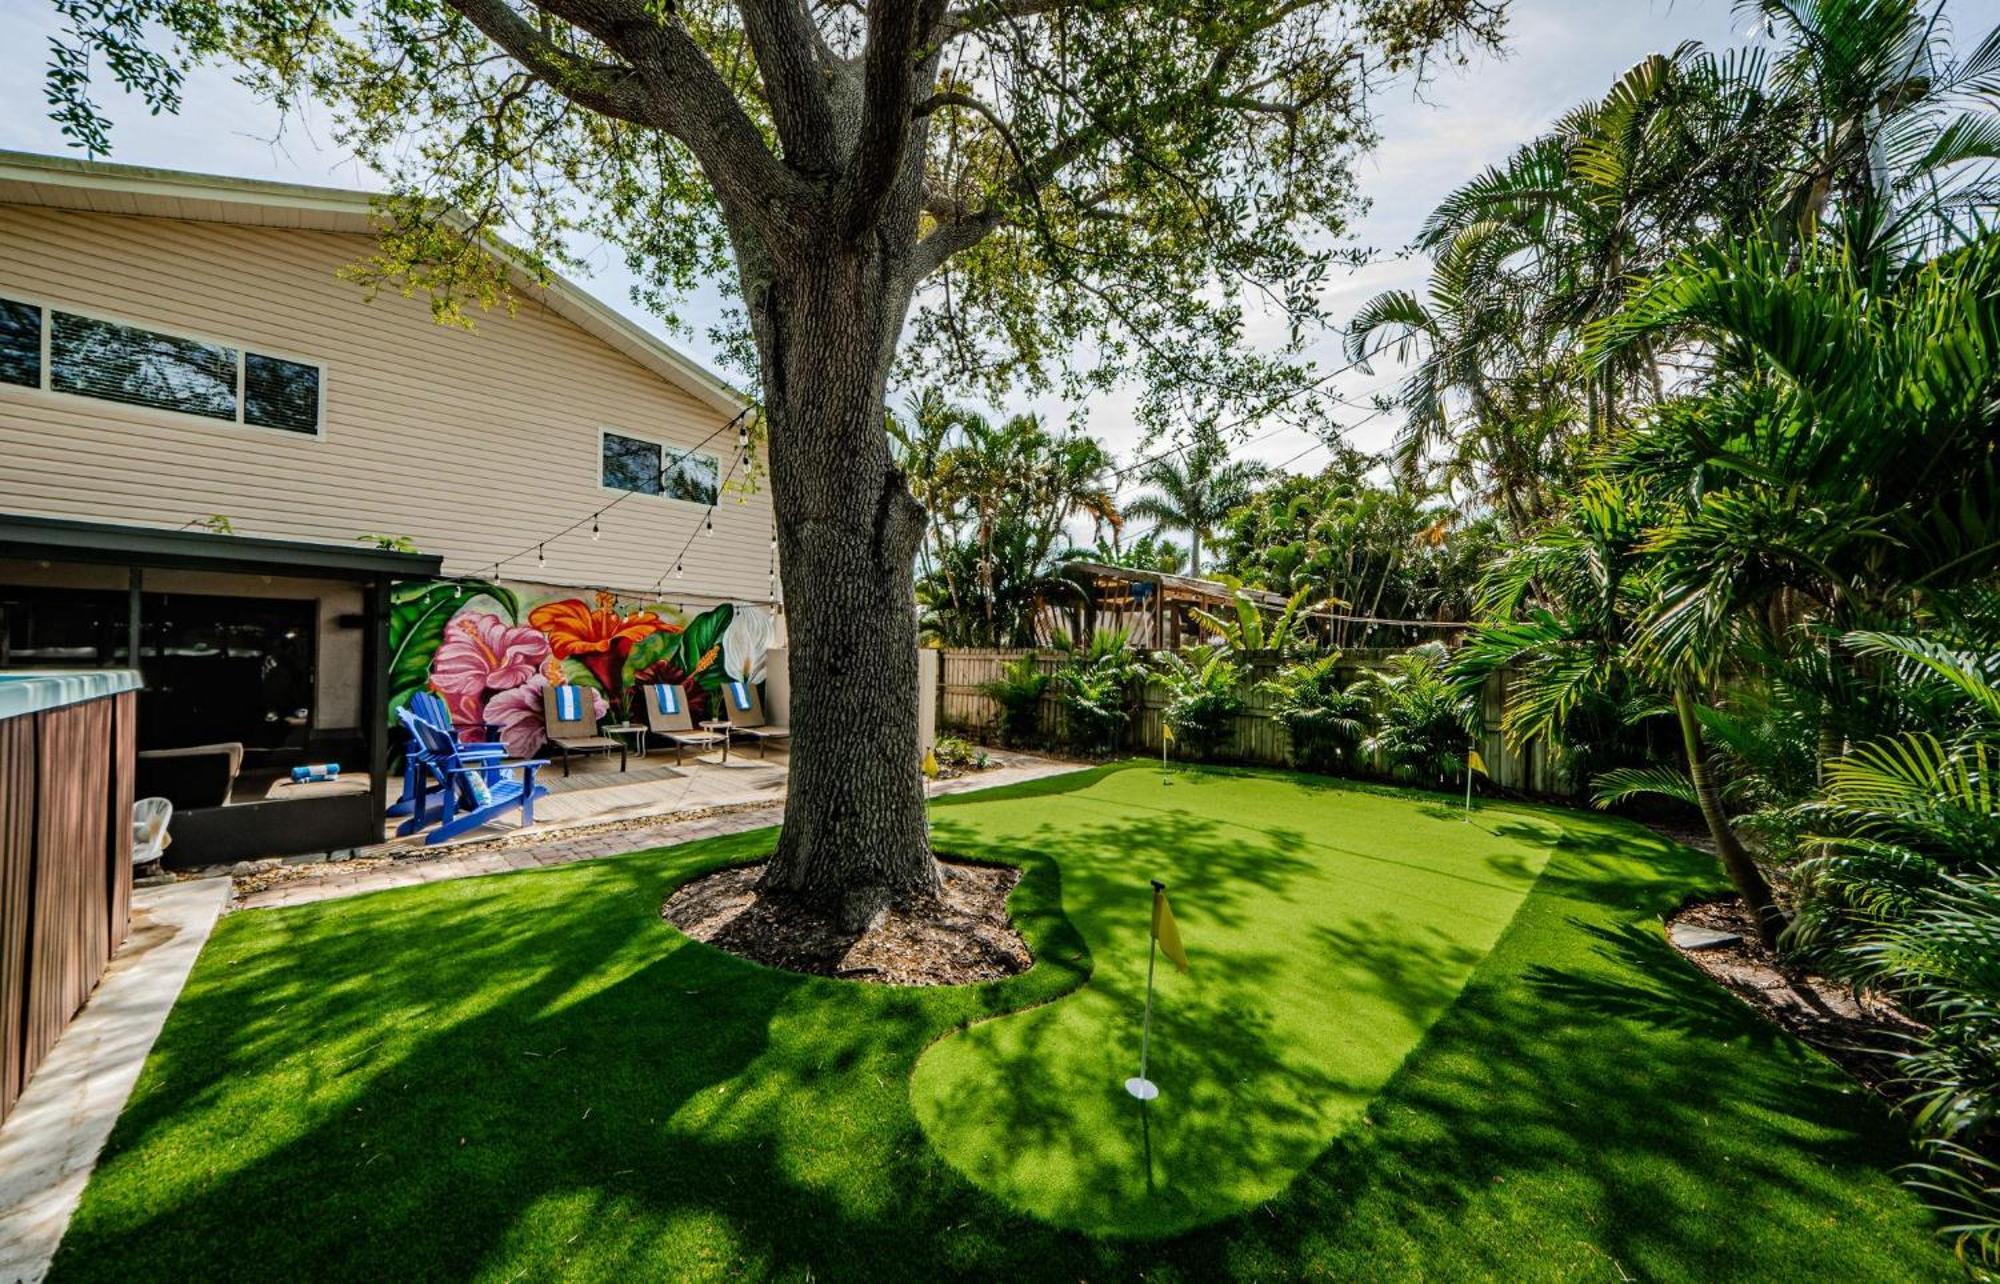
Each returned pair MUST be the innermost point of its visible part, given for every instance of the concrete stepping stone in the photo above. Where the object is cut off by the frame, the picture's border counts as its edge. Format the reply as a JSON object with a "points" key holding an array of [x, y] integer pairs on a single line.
{"points": [[1690, 937]]}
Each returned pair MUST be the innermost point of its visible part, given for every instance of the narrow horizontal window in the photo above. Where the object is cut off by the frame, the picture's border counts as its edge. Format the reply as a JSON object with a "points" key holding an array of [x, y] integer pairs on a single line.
{"points": [[20, 343], [114, 362], [280, 394], [631, 464]]}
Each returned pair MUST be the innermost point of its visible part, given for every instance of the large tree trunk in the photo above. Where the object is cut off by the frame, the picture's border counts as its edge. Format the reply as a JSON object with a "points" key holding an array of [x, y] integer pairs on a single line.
{"points": [[1741, 867], [855, 837]]}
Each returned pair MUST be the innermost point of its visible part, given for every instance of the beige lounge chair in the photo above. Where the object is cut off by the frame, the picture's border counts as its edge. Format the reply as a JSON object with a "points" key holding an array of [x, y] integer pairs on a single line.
{"points": [[745, 707], [576, 733], [667, 716]]}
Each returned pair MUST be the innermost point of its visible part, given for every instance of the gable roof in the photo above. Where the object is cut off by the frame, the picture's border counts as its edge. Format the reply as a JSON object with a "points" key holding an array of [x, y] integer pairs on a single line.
{"points": [[62, 182]]}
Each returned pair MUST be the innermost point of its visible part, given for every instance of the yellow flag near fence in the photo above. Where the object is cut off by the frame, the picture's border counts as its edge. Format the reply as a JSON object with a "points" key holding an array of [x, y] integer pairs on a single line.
{"points": [[1167, 932], [1475, 762]]}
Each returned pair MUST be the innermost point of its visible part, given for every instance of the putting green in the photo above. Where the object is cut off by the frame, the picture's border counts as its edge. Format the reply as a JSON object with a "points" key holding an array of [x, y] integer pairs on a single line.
{"points": [[1328, 925]]}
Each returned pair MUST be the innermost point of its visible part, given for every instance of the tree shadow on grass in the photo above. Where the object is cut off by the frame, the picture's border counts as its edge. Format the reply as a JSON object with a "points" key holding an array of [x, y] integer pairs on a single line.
{"points": [[536, 1074], [349, 1092]]}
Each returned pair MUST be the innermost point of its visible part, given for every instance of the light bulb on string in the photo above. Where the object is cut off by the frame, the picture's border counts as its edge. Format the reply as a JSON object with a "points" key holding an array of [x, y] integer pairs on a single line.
{"points": [[680, 570], [708, 526], [594, 531], [541, 556]]}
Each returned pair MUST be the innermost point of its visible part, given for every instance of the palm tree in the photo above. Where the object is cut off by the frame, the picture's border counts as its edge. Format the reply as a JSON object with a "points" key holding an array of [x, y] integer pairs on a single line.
{"points": [[1893, 133], [1472, 337], [1193, 489], [1564, 610]]}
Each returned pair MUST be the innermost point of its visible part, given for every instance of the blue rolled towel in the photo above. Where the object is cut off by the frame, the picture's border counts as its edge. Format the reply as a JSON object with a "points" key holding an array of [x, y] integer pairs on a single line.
{"points": [[315, 771]]}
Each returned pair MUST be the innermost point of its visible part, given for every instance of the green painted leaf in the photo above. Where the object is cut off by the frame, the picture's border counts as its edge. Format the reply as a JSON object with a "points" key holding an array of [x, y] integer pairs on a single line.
{"points": [[650, 650], [704, 634], [418, 614], [577, 674]]}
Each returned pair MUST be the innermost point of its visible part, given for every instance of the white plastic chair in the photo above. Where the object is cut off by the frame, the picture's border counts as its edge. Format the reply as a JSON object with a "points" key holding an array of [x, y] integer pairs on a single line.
{"points": [[150, 817]]}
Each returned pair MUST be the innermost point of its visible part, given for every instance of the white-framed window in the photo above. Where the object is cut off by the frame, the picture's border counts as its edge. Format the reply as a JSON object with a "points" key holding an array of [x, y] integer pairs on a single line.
{"points": [[652, 468], [78, 354]]}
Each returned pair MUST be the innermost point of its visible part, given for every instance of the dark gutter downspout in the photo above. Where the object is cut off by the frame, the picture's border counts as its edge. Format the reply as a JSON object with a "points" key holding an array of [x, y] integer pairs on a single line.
{"points": [[375, 700]]}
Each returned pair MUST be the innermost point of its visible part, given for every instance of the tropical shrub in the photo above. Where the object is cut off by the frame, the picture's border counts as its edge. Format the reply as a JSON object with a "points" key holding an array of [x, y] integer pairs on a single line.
{"points": [[1202, 699], [1323, 720], [1018, 691], [1094, 686], [1251, 631], [958, 753], [1903, 898], [1423, 718]]}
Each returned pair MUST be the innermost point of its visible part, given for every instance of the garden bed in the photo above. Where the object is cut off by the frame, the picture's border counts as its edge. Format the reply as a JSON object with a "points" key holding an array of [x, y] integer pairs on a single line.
{"points": [[965, 938], [1854, 1031]]}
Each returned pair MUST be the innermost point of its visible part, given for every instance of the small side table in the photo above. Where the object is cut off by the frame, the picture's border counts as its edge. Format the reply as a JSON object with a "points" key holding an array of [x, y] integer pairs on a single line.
{"points": [[636, 730], [720, 726]]}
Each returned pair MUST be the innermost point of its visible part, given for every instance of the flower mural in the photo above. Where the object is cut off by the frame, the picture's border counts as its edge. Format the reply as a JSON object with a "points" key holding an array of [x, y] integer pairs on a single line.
{"points": [[597, 637], [474, 644], [691, 657], [519, 715], [482, 654]]}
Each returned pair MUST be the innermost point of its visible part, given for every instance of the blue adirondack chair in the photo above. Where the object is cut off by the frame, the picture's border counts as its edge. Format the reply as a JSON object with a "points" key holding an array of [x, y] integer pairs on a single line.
{"points": [[430, 706], [471, 792]]}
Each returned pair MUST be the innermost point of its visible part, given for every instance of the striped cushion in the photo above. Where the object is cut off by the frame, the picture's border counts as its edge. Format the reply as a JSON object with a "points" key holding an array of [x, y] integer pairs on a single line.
{"points": [[739, 695], [569, 703], [668, 698]]}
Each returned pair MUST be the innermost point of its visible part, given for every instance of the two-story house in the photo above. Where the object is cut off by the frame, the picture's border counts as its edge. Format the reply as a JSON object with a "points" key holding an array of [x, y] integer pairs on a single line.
{"points": [[291, 502]]}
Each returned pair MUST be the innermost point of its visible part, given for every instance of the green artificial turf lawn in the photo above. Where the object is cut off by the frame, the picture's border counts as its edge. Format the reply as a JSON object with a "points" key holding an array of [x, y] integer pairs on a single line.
{"points": [[1327, 929], [531, 1075]]}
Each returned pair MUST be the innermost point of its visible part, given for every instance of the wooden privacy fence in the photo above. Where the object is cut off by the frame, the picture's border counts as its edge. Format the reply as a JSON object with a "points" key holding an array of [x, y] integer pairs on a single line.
{"points": [[65, 869], [1259, 738]]}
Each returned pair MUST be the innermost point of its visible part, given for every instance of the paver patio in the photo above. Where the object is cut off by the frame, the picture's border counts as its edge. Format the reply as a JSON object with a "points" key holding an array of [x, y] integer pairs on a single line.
{"points": [[590, 814]]}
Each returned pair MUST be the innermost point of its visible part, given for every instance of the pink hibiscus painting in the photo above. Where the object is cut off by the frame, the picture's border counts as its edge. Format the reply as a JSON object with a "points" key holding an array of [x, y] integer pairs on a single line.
{"points": [[516, 715], [481, 657]]}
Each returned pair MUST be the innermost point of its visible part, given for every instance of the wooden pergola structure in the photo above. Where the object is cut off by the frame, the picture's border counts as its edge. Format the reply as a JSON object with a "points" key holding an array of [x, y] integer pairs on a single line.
{"points": [[1156, 609]]}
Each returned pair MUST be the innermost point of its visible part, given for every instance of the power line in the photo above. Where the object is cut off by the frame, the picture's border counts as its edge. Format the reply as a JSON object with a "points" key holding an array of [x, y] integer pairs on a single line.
{"points": [[1119, 474]]}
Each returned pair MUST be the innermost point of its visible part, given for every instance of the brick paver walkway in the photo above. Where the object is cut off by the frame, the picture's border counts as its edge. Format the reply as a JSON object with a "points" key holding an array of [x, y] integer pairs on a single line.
{"points": [[405, 866]]}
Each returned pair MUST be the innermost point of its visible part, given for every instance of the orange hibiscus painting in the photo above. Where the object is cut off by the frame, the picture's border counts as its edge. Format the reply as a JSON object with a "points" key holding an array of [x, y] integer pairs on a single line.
{"points": [[597, 636]]}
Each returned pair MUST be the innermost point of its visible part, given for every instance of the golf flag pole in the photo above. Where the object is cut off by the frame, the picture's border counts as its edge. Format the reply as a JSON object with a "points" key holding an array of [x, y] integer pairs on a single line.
{"points": [[1165, 935], [1473, 762]]}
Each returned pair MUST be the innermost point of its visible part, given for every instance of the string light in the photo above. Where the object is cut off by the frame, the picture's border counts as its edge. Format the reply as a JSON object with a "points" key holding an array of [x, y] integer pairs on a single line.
{"points": [[680, 570], [707, 527], [594, 518]]}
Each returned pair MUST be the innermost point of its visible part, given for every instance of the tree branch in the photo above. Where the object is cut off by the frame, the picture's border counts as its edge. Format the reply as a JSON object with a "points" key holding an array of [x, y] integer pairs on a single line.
{"points": [[895, 29], [973, 18], [688, 98], [610, 89], [791, 57]]}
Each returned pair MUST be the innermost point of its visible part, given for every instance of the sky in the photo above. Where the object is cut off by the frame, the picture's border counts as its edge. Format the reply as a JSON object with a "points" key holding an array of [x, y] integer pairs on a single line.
{"points": [[1557, 54]]}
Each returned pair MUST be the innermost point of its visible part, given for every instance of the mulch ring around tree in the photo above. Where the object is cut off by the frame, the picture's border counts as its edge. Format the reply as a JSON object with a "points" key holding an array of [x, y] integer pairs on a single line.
{"points": [[1854, 1031], [963, 938]]}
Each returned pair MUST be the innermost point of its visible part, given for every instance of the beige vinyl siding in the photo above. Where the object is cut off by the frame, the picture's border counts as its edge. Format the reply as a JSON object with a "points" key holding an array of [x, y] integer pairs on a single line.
{"points": [[475, 444]]}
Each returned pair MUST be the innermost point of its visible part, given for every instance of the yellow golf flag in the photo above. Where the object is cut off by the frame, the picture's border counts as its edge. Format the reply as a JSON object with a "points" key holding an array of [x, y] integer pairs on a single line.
{"points": [[1166, 932], [930, 764], [1475, 762]]}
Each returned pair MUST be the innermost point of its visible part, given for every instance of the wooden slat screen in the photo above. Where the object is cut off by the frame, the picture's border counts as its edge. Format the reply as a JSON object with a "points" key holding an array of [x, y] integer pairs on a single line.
{"points": [[17, 851], [66, 780]]}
